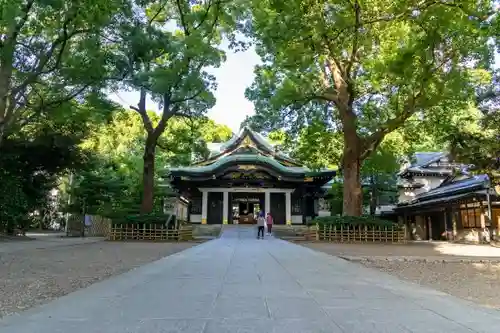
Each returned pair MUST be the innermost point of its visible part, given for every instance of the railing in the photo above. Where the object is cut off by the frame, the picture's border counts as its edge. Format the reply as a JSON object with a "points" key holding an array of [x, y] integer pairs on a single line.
{"points": [[360, 234], [149, 232]]}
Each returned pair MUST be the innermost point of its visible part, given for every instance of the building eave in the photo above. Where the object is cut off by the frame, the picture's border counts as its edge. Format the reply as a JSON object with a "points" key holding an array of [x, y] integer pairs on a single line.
{"points": [[471, 186], [248, 161]]}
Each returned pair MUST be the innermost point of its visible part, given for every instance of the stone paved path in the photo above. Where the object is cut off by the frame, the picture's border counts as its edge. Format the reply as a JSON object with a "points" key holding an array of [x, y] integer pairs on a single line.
{"points": [[240, 284]]}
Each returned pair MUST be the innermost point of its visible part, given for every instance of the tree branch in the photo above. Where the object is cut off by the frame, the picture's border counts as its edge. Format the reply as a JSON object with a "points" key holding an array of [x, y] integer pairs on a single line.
{"points": [[26, 10], [61, 42], [151, 20], [141, 110], [205, 15], [159, 145], [184, 115], [411, 106], [199, 92], [354, 51], [182, 18]]}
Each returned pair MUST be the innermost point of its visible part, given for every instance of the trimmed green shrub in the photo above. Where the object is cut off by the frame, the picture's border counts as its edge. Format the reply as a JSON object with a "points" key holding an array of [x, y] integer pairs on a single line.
{"points": [[368, 221], [153, 218]]}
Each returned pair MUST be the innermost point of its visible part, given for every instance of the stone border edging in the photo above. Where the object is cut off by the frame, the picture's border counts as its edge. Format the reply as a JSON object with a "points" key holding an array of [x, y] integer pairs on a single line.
{"points": [[419, 259]]}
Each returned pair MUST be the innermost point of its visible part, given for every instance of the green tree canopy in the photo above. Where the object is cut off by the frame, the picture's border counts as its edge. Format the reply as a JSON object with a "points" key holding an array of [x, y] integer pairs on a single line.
{"points": [[369, 65], [52, 52], [34, 158], [479, 146], [115, 169], [165, 49]]}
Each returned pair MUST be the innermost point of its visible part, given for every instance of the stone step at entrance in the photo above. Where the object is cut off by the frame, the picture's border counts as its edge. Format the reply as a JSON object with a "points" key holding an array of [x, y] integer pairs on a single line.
{"points": [[239, 231]]}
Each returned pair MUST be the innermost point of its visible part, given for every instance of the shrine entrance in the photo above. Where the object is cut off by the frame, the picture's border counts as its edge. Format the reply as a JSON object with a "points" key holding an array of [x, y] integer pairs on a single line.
{"points": [[246, 206]]}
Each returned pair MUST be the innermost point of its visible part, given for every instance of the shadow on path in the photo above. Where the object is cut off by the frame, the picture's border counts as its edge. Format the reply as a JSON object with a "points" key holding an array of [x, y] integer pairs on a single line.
{"points": [[240, 284]]}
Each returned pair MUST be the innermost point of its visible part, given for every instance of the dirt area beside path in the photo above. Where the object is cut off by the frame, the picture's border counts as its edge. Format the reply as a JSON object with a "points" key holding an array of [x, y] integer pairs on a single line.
{"points": [[31, 275], [477, 282], [471, 272], [414, 250]]}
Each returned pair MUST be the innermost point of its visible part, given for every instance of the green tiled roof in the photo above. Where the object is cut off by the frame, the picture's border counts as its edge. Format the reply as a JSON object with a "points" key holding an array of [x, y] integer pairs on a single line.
{"points": [[217, 149], [248, 158]]}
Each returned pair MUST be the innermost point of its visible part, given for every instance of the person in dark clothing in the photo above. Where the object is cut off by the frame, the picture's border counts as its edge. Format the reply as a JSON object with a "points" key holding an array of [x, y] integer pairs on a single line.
{"points": [[261, 222]]}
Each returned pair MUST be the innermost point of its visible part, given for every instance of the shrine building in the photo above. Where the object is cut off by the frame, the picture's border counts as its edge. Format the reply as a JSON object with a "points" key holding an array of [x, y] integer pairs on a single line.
{"points": [[245, 175]]}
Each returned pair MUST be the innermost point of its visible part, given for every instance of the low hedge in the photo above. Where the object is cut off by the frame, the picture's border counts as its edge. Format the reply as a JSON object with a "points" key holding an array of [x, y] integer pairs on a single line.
{"points": [[358, 221], [159, 219]]}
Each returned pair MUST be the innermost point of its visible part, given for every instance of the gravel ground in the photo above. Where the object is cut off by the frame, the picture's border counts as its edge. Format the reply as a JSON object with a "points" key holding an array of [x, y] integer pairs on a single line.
{"points": [[471, 272], [477, 282], [33, 276], [442, 250]]}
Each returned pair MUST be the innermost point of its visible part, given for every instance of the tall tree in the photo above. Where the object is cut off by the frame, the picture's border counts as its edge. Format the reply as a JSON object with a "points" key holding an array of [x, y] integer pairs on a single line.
{"points": [[118, 145], [318, 147], [480, 146], [50, 53], [167, 47], [372, 64], [34, 158]]}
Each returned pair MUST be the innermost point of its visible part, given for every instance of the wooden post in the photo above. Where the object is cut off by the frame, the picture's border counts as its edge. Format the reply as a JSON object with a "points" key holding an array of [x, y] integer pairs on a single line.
{"points": [[498, 224], [204, 207], [446, 223], [225, 207], [288, 208], [429, 223], [454, 222]]}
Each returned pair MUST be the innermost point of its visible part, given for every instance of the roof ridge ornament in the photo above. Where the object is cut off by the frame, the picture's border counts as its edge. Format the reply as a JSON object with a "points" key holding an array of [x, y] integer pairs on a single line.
{"points": [[247, 142]]}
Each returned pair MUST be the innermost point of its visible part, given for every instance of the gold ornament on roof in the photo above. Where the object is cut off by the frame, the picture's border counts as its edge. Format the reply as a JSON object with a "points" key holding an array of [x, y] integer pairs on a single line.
{"points": [[247, 167], [247, 142]]}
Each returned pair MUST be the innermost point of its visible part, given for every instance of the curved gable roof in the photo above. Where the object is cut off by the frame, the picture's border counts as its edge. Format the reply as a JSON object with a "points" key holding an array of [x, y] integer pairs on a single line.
{"points": [[219, 150], [247, 159]]}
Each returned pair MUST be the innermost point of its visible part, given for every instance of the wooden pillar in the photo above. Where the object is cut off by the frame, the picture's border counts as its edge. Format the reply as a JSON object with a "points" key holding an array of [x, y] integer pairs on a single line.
{"points": [[454, 214], [204, 206], [498, 226], [267, 202], [485, 220], [288, 208], [429, 223], [446, 224], [303, 207], [402, 221], [225, 206]]}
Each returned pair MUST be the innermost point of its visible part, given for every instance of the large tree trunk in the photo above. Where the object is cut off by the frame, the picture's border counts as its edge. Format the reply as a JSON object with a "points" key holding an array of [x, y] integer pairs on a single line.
{"points": [[353, 195], [2, 131], [148, 176]]}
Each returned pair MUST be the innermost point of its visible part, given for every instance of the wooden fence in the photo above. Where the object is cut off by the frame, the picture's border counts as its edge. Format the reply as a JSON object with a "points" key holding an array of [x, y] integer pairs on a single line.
{"points": [[149, 232], [96, 226], [360, 234]]}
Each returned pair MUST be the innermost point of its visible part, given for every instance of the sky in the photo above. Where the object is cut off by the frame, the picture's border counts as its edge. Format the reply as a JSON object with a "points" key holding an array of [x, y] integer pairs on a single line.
{"points": [[233, 77]]}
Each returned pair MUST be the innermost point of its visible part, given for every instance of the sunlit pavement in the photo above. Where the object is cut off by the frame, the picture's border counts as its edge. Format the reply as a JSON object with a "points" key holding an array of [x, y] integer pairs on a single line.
{"points": [[240, 284]]}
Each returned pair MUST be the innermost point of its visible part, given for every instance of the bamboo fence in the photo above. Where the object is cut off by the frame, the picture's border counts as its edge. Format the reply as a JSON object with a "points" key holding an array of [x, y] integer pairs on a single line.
{"points": [[149, 232], [360, 234]]}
